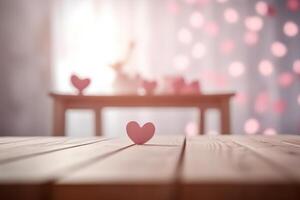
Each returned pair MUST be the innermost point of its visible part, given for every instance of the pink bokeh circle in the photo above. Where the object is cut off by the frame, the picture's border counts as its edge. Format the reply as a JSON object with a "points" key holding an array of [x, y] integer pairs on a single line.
{"points": [[296, 66], [261, 8], [211, 28], [191, 129], [199, 50], [196, 20], [254, 23], [285, 79], [290, 29], [227, 46], [265, 67], [181, 62], [231, 15], [270, 131], [278, 49], [251, 38], [236, 69], [185, 35], [251, 126]]}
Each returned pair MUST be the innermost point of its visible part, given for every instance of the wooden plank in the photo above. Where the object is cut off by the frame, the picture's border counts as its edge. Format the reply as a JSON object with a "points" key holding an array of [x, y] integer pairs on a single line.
{"points": [[16, 142], [142, 172], [7, 140], [42, 146], [286, 157], [217, 168], [33, 176], [293, 140]]}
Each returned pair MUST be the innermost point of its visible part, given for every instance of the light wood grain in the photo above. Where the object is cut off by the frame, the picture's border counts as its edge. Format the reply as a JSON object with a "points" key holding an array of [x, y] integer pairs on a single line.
{"points": [[285, 156], [7, 140], [203, 167], [9, 144], [40, 171], [42, 146], [141, 172], [219, 168]]}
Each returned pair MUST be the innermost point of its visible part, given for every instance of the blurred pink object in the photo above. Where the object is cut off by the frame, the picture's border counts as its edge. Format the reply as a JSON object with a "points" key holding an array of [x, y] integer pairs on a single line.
{"points": [[124, 84], [79, 83], [149, 86], [191, 88], [178, 85]]}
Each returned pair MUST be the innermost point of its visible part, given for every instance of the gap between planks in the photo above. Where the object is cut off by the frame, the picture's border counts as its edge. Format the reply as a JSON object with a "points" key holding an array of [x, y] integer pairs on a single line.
{"points": [[149, 181], [276, 152], [40, 179]]}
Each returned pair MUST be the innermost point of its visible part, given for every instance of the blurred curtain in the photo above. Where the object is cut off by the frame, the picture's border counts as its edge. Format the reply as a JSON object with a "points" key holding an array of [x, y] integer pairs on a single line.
{"points": [[25, 67], [249, 47]]}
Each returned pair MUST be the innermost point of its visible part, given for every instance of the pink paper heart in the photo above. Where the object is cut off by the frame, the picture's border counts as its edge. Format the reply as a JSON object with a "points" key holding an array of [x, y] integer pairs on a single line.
{"points": [[79, 83], [140, 135], [178, 83], [191, 88], [149, 86]]}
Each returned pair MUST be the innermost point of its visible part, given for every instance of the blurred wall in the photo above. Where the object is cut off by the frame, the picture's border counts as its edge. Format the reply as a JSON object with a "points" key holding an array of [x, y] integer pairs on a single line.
{"points": [[25, 67]]}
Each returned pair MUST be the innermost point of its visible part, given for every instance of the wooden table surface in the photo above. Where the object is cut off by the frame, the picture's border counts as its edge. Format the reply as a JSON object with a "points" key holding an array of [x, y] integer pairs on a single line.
{"points": [[96, 103], [167, 167]]}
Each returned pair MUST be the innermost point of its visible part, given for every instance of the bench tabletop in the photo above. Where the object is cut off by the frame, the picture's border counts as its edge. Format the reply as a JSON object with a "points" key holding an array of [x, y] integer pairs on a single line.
{"points": [[167, 167]]}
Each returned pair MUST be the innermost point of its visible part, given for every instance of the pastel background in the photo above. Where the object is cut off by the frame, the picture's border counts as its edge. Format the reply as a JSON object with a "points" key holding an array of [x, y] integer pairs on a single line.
{"points": [[246, 46]]}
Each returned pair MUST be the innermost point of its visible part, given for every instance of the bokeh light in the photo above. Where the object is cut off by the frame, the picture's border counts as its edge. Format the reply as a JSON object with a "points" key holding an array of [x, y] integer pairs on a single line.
{"points": [[278, 49], [293, 5], [211, 28], [185, 35], [261, 8], [254, 23], [236, 69], [290, 29], [241, 98], [231, 15], [296, 66], [181, 62], [173, 7], [199, 50], [196, 20], [191, 129], [251, 38], [279, 106], [285, 79], [227, 46], [270, 131], [251, 126], [265, 67]]}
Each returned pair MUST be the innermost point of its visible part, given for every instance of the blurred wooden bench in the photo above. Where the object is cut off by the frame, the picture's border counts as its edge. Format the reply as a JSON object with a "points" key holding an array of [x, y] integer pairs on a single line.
{"points": [[203, 102], [166, 168]]}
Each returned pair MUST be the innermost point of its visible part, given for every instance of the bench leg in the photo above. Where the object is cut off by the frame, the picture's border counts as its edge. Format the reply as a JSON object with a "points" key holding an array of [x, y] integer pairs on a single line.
{"points": [[202, 121], [59, 118], [98, 122], [225, 118]]}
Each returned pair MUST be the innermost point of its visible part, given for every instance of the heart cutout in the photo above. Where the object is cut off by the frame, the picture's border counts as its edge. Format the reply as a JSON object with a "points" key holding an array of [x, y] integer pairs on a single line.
{"points": [[140, 135], [80, 84], [178, 84], [149, 86], [191, 88]]}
